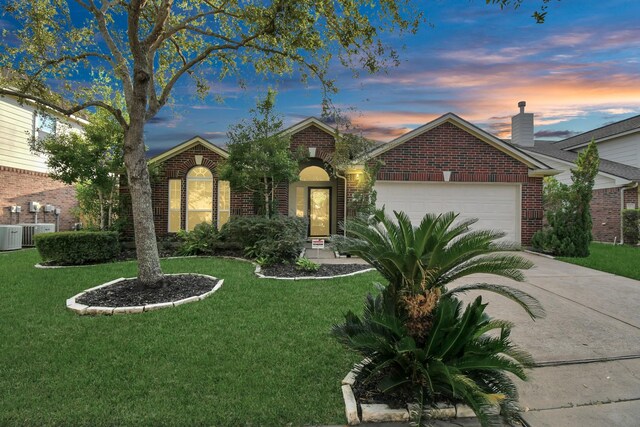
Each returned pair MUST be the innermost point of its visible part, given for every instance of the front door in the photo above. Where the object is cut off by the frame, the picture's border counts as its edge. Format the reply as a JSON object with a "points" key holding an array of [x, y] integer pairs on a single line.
{"points": [[319, 212]]}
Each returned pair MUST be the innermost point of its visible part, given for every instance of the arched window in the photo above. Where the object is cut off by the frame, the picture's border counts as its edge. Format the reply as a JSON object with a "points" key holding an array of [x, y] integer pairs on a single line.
{"points": [[199, 196], [314, 173]]}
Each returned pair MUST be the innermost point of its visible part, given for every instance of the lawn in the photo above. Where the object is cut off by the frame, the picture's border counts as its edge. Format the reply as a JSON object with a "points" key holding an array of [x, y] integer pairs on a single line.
{"points": [[621, 260], [256, 353]]}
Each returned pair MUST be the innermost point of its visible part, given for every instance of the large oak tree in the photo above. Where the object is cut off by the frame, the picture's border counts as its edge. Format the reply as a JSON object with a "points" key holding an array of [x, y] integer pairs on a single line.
{"points": [[70, 55]]}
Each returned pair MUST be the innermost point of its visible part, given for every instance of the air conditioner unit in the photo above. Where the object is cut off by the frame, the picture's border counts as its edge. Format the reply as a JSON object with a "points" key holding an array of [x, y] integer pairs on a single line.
{"points": [[30, 230], [10, 237]]}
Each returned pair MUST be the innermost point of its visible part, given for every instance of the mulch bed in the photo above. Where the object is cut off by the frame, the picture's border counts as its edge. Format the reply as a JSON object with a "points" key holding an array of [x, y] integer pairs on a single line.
{"points": [[326, 270], [131, 292], [368, 392]]}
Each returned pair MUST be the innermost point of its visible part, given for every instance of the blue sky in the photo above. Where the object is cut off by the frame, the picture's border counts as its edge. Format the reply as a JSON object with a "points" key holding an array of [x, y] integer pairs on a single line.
{"points": [[577, 71]]}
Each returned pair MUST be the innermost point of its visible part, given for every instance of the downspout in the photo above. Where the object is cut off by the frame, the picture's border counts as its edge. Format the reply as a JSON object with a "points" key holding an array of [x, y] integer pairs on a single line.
{"points": [[344, 229], [622, 190]]}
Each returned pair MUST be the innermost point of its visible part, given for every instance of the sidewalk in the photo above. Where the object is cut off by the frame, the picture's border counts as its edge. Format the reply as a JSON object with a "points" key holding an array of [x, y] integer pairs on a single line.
{"points": [[327, 256]]}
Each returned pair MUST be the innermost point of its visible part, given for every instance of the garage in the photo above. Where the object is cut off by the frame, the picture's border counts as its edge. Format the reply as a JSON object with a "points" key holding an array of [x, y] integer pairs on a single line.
{"points": [[497, 206]]}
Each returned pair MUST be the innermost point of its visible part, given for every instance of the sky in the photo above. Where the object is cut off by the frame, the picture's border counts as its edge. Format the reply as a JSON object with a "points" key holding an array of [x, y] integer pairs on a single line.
{"points": [[577, 71]]}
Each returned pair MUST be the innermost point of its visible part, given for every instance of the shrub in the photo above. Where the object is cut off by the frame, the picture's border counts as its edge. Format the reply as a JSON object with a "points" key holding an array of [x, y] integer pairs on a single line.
{"points": [[272, 240], [78, 247], [567, 210], [200, 241], [416, 336], [306, 265], [631, 226]]}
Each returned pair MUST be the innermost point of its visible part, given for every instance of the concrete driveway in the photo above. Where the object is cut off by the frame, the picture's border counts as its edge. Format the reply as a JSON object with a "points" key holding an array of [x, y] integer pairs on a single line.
{"points": [[587, 348]]}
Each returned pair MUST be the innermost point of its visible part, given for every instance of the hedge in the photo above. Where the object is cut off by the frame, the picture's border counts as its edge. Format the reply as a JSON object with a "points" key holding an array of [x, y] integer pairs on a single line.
{"points": [[631, 226], [78, 247]]}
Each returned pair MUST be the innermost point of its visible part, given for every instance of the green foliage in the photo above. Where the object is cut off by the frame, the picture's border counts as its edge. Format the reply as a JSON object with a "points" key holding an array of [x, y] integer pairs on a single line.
{"points": [[568, 232], [271, 240], [433, 254], [93, 161], [306, 265], [414, 334], [631, 226], [201, 241], [465, 357], [78, 247], [259, 157]]}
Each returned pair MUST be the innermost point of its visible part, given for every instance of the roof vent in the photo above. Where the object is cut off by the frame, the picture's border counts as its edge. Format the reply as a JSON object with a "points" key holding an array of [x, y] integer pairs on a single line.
{"points": [[522, 127]]}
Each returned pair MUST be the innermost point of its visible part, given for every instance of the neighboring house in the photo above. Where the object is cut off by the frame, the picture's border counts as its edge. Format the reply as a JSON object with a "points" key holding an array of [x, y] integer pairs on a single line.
{"points": [[616, 185], [445, 165], [23, 175]]}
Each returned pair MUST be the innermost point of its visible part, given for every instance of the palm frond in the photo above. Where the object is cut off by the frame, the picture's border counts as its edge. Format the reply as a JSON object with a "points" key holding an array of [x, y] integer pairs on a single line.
{"points": [[529, 303]]}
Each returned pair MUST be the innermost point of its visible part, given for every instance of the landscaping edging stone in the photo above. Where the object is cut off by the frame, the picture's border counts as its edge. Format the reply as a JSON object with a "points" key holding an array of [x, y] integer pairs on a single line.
{"points": [[82, 309], [383, 413], [262, 276]]}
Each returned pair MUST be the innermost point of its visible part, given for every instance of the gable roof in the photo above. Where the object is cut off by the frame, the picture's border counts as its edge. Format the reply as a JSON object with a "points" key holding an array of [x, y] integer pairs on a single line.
{"points": [[185, 146], [310, 121], [607, 166], [484, 136], [623, 127]]}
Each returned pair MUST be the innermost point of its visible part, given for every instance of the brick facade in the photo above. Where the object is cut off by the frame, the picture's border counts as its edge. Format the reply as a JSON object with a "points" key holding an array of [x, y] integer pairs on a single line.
{"points": [[423, 158], [605, 212], [19, 187], [450, 148]]}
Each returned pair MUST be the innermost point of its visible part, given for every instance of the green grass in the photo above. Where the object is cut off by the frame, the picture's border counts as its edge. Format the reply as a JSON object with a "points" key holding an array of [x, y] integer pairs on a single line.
{"points": [[619, 259], [256, 353]]}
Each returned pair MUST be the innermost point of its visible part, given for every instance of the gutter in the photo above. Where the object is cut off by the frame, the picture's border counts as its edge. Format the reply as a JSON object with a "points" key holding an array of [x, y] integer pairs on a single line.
{"points": [[622, 190]]}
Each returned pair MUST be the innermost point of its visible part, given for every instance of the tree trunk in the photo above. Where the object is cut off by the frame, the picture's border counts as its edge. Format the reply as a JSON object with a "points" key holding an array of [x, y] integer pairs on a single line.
{"points": [[101, 201], [267, 209], [149, 271]]}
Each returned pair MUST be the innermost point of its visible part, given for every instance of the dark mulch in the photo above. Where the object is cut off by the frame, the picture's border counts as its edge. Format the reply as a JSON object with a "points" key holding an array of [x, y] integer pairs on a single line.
{"points": [[326, 270], [131, 292], [368, 392]]}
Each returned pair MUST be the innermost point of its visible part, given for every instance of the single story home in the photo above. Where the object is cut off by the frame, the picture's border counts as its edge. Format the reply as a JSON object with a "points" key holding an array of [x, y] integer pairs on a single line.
{"points": [[445, 165], [616, 185]]}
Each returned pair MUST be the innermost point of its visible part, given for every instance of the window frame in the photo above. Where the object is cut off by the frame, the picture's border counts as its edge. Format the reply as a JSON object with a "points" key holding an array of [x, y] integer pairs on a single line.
{"points": [[170, 210], [187, 210]]}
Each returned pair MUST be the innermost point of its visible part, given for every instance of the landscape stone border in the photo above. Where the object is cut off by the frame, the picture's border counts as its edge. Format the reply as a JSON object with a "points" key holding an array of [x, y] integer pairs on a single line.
{"points": [[82, 309], [383, 413], [262, 276]]}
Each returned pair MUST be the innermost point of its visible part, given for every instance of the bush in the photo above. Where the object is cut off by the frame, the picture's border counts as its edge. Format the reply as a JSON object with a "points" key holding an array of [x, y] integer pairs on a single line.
{"points": [[631, 226], [200, 241], [416, 337], [78, 247], [272, 240]]}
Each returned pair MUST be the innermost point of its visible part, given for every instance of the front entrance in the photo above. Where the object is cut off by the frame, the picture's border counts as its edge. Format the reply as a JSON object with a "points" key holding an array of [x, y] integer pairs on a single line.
{"points": [[319, 211], [314, 197]]}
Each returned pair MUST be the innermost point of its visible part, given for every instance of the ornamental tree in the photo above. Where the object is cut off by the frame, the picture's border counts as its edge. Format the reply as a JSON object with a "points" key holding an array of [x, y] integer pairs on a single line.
{"points": [[73, 55], [259, 156], [92, 160]]}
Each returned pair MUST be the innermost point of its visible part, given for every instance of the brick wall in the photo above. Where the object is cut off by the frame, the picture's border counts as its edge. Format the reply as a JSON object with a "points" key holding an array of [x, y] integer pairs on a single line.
{"points": [[19, 187], [605, 212], [449, 148]]}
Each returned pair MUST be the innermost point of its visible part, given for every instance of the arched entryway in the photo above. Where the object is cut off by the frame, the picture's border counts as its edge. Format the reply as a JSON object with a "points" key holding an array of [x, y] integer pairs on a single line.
{"points": [[314, 197]]}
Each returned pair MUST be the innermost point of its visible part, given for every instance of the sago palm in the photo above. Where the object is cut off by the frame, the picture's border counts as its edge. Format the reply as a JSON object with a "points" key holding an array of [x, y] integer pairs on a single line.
{"points": [[430, 256]]}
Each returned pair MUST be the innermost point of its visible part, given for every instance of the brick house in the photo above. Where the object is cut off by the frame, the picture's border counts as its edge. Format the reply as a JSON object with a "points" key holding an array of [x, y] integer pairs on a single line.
{"points": [[447, 164], [24, 176], [616, 185]]}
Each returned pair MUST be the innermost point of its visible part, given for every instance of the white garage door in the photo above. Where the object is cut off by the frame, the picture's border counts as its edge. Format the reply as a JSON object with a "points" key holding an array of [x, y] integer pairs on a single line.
{"points": [[497, 206]]}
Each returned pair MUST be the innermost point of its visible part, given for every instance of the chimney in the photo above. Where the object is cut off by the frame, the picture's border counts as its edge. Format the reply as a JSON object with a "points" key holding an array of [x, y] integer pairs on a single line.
{"points": [[522, 127]]}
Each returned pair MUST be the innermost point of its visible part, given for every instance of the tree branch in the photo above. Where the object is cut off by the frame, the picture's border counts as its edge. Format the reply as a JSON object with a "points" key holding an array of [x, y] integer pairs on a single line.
{"points": [[120, 67], [71, 110]]}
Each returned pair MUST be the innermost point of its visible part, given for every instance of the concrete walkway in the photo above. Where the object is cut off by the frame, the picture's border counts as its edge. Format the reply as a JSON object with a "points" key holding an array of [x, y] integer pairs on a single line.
{"points": [[587, 348], [327, 256]]}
